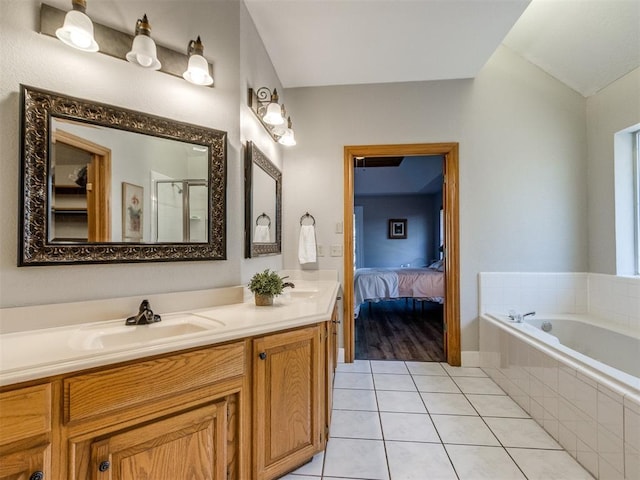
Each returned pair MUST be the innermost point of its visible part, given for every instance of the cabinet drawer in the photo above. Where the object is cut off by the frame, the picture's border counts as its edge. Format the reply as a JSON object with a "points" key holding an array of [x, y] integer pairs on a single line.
{"points": [[24, 413], [97, 393]]}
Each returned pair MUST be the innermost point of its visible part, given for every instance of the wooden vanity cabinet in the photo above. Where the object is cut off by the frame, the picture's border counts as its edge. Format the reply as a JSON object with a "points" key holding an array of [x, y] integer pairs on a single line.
{"points": [[288, 400], [25, 433], [173, 417], [255, 409], [331, 363], [188, 445]]}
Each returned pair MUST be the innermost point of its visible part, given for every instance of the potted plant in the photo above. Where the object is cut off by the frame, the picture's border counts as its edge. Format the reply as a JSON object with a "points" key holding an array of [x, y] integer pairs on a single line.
{"points": [[266, 285]]}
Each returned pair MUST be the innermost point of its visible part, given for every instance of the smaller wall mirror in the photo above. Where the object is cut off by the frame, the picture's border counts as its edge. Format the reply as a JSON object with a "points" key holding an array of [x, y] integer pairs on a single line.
{"points": [[263, 204]]}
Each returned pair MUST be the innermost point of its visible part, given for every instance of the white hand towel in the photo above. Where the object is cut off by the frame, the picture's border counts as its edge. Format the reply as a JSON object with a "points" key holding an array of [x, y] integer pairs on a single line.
{"points": [[307, 244], [261, 235]]}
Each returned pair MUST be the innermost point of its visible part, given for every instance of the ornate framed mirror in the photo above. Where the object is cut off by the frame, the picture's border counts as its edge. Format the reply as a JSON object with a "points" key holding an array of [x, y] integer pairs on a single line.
{"points": [[103, 184], [262, 204]]}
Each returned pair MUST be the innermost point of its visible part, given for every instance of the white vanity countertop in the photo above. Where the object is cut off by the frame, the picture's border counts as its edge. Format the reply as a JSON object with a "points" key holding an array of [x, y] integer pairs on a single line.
{"points": [[46, 352]]}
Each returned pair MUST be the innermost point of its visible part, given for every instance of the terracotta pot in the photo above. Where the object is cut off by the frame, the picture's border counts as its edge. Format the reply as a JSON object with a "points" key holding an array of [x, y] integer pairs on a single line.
{"points": [[263, 300]]}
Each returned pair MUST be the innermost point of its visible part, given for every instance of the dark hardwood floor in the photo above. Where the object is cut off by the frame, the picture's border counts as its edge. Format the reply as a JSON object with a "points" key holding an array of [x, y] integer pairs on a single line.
{"points": [[394, 330]]}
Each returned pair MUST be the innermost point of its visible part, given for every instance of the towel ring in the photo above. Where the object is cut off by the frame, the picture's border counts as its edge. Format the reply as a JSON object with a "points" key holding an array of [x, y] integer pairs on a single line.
{"points": [[261, 216], [307, 215]]}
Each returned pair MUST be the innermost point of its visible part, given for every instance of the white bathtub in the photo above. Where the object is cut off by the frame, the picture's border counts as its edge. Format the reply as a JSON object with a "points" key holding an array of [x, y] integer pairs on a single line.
{"points": [[616, 349], [579, 381]]}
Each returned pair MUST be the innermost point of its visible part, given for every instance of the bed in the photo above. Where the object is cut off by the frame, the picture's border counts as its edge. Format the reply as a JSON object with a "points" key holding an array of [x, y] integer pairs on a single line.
{"points": [[376, 284]]}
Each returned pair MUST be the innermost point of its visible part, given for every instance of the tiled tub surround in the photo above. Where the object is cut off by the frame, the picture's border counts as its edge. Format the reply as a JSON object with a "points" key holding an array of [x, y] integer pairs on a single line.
{"points": [[594, 414], [608, 299]]}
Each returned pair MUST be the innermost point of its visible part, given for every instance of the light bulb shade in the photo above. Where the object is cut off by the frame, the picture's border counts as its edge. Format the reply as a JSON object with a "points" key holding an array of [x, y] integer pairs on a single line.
{"points": [[273, 115], [144, 53], [77, 32], [198, 71], [288, 138]]}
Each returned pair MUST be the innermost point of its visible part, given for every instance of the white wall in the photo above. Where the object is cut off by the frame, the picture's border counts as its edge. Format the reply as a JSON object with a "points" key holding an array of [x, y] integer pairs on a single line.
{"points": [[522, 164], [41, 61], [256, 71], [614, 108]]}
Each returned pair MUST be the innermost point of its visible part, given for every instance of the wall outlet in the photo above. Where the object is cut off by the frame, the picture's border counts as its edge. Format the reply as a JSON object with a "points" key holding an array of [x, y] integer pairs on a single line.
{"points": [[336, 250], [320, 250]]}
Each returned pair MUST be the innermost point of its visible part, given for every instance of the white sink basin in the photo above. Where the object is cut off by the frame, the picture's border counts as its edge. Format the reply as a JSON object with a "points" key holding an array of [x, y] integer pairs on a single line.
{"points": [[114, 335]]}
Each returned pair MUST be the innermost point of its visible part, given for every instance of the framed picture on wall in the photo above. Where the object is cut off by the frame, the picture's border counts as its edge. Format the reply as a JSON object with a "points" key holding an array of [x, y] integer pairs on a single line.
{"points": [[397, 228], [132, 196]]}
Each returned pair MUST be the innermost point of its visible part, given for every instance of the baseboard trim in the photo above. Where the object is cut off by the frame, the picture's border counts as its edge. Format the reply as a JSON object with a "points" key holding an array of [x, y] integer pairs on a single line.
{"points": [[470, 358]]}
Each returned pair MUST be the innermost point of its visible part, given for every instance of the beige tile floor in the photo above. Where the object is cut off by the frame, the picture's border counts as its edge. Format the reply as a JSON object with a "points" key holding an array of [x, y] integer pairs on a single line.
{"points": [[423, 421]]}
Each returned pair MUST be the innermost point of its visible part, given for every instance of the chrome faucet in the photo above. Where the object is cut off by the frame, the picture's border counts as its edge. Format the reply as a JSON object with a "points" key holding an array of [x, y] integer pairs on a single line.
{"points": [[145, 315], [519, 317]]}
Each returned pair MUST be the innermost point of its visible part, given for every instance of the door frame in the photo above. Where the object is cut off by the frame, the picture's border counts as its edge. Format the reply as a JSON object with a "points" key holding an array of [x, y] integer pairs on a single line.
{"points": [[98, 184], [451, 252]]}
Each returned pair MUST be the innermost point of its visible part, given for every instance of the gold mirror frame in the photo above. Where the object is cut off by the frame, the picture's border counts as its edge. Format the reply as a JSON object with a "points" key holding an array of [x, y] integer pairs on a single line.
{"points": [[37, 108], [255, 158]]}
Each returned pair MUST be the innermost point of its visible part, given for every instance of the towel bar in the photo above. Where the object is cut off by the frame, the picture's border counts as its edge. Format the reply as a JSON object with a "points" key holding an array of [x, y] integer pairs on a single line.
{"points": [[263, 215], [307, 215]]}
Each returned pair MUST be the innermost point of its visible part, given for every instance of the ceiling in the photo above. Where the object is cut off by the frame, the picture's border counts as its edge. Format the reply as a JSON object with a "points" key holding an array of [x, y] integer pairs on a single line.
{"points": [[418, 175], [586, 44]]}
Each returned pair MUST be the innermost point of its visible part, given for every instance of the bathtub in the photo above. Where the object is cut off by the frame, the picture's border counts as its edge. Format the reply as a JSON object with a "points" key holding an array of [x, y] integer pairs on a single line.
{"points": [[579, 381], [616, 349]]}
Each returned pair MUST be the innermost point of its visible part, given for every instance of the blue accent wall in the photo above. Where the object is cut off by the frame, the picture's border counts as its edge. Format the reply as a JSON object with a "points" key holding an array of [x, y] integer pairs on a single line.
{"points": [[422, 229]]}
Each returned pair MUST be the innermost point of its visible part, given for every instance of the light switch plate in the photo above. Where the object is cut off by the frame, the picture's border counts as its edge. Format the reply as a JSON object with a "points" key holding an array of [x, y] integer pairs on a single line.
{"points": [[339, 227], [321, 250], [336, 250]]}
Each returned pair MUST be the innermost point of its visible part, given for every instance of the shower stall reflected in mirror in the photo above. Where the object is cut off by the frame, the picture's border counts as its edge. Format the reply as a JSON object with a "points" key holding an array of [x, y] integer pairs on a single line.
{"points": [[180, 211]]}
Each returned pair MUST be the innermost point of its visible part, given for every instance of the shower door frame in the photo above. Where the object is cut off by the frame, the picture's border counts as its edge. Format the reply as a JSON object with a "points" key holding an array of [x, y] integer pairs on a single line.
{"points": [[186, 218]]}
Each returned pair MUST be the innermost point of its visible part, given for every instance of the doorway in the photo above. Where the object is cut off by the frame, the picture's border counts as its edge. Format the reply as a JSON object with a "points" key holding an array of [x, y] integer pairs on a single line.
{"points": [[81, 189], [449, 152]]}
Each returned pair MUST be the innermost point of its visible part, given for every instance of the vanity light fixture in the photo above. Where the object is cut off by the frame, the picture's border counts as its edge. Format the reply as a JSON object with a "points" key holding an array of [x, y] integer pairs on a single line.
{"points": [[77, 31], [144, 52], [143, 49], [266, 107], [288, 138], [273, 115], [198, 69]]}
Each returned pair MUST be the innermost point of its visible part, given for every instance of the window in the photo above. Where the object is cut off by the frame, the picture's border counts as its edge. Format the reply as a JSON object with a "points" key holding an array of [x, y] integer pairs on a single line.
{"points": [[636, 197], [627, 200]]}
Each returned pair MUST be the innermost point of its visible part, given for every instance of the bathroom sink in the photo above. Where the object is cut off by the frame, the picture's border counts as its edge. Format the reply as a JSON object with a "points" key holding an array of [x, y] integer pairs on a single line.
{"points": [[114, 335]]}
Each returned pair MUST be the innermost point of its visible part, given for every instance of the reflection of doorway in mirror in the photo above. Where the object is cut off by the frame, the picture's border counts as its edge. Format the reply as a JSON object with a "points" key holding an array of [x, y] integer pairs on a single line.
{"points": [[81, 189]]}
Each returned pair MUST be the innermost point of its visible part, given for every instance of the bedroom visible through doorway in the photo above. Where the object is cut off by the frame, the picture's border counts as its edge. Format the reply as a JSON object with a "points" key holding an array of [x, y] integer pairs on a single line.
{"points": [[401, 240], [398, 236]]}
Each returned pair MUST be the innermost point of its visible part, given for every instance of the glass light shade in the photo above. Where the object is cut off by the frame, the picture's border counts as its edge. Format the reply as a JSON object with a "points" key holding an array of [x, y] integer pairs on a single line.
{"points": [[288, 138], [77, 32], [273, 115], [144, 53], [198, 71]]}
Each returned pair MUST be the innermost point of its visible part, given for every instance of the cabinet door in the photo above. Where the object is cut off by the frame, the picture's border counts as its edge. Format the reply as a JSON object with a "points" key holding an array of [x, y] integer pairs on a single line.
{"points": [[31, 464], [331, 362], [190, 445], [288, 400]]}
